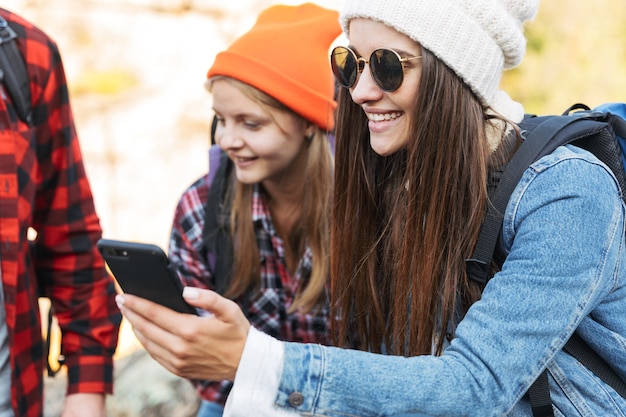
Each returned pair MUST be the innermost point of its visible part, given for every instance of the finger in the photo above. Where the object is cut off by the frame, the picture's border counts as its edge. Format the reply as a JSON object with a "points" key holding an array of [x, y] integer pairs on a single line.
{"points": [[148, 333], [157, 352], [164, 347], [152, 322], [222, 308], [186, 354], [163, 317]]}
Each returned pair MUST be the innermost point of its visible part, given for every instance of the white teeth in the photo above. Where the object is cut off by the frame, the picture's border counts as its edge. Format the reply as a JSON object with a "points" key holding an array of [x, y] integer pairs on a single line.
{"points": [[378, 117], [243, 158]]}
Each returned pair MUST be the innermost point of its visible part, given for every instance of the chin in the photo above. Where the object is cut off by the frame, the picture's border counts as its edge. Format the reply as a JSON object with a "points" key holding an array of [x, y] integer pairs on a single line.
{"points": [[385, 147], [246, 178]]}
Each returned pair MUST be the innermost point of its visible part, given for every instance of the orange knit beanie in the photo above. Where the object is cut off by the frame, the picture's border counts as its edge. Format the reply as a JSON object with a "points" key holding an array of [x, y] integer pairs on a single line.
{"points": [[286, 55]]}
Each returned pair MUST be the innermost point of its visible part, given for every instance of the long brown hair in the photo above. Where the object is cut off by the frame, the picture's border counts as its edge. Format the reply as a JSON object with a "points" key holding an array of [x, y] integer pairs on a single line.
{"points": [[404, 224], [311, 229]]}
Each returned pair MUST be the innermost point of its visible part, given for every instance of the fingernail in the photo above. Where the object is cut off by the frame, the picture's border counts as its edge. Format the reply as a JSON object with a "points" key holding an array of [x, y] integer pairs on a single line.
{"points": [[191, 293], [119, 299]]}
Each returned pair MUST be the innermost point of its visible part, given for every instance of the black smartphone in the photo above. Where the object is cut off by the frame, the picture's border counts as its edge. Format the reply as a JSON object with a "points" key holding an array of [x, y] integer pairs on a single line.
{"points": [[143, 269]]}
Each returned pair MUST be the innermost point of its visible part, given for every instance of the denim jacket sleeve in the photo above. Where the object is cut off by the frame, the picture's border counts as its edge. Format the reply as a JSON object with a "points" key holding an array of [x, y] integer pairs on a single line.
{"points": [[564, 231]]}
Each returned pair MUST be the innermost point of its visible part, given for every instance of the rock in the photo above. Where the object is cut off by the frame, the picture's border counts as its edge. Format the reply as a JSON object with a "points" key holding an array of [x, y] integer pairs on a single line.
{"points": [[143, 388]]}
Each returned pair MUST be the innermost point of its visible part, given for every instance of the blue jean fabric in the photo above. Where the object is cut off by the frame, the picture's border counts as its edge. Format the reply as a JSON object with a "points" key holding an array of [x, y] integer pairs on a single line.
{"points": [[565, 271], [209, 409]]}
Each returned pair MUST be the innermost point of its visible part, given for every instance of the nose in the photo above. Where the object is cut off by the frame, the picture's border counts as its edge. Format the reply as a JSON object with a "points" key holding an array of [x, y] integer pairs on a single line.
{"points": [[365, 89], [227, 137]]}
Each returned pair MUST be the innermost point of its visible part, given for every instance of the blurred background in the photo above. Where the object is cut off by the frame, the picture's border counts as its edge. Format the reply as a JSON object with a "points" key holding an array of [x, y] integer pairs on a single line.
{"points": [[136, 69]]}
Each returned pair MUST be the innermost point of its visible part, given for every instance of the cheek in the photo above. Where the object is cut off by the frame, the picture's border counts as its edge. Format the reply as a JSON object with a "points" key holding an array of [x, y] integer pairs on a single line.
{"points": [[288, 141], [277, 146], [408, 104], [407, 96], [291, 148]]}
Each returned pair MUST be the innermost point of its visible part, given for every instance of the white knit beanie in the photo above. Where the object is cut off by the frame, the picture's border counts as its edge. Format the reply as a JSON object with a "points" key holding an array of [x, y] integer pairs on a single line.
{"points": [[477, 39]]}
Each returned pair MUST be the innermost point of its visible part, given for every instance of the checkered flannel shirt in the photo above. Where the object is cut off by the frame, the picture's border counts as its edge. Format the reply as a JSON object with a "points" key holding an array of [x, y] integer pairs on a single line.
{"points": [[43, 186], [267, 309]]}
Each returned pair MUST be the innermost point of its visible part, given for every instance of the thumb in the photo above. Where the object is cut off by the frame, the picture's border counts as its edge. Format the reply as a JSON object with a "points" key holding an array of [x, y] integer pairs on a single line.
{"points": [[222, 308]]}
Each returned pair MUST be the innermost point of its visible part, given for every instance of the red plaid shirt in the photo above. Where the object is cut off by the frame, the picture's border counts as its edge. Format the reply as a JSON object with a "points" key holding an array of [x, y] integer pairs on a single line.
{"points": [[43, 186], [267, 309]]}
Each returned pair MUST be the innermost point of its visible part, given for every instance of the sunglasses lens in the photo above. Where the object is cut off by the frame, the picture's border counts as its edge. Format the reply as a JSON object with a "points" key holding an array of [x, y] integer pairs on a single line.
{"points": [[344, 66], [386, 69]]}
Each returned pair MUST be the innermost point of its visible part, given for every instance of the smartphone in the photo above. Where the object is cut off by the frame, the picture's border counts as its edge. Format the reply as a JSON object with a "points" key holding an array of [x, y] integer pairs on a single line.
{"points": [[144, 270]]}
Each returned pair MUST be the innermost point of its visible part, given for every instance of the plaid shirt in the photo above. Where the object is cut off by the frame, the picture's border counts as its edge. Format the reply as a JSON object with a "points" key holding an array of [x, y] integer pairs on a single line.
{"points": [[43, 186], [267, 309]]}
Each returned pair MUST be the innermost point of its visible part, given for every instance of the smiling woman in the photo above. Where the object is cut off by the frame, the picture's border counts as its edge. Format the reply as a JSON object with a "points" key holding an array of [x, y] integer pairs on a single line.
{"points": [[377, 88], [265, 140]]}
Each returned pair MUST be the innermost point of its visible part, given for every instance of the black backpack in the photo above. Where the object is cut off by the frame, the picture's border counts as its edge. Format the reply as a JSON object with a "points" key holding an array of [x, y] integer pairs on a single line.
{"points": [[216, 234], [602, 132]]}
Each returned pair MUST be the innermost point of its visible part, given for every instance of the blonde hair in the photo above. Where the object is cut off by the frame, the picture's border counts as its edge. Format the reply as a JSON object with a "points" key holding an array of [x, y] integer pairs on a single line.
{"points": [[312, 229]]}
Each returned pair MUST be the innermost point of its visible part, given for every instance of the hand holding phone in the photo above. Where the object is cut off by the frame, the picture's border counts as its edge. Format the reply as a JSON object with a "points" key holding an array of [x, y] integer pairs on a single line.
{"points": [[144, 270]]}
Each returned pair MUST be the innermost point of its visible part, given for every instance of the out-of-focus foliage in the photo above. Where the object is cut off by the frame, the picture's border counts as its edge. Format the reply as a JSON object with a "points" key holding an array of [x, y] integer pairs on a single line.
{"points": [[103, 82], [576, 52]]}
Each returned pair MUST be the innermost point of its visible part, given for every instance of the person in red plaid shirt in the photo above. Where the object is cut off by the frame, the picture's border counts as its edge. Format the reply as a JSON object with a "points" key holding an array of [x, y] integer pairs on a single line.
{"points": [[44, 188]]}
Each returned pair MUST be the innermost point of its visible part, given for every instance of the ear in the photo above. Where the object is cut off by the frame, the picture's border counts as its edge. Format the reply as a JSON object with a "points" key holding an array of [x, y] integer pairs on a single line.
{"points": [[310, 130]]}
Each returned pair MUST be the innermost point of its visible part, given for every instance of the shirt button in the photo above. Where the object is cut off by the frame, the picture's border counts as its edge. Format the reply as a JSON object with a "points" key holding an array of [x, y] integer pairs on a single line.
{"points": [[296, 399]]}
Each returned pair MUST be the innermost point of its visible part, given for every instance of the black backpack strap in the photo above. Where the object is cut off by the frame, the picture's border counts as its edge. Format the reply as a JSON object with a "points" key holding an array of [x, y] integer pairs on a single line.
{"points": [[539, 391], [213, 129], [539, 132], [539, 396], [42, 292], [579, 349], [542, 136], [618, 124], [14, 72], [216, 234]]}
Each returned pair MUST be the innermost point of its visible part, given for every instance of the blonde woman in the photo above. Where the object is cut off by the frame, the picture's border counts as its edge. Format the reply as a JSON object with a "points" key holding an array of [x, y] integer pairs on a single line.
{"points": [[272, 94]]}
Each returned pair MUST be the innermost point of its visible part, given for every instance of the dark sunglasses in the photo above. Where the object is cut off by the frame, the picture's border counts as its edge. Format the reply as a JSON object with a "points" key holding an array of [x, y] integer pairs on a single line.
{"points": [[386, 66]]}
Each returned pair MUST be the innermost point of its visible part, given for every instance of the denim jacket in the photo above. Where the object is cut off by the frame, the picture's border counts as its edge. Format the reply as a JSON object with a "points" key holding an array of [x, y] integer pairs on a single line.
{"points": [[565, 272]]}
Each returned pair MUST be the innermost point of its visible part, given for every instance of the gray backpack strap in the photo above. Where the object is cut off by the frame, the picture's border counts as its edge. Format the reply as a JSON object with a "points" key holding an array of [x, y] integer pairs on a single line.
{"points": [[217, 234], [13, 72]]}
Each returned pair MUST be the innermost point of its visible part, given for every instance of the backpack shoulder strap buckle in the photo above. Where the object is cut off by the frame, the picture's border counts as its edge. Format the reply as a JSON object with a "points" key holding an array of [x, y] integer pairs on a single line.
{"points": [[6, 32]]}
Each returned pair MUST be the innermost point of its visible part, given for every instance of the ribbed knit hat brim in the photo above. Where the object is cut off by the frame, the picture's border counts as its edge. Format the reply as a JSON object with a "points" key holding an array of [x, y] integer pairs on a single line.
{"points": [[477, 39], [285, 55]]}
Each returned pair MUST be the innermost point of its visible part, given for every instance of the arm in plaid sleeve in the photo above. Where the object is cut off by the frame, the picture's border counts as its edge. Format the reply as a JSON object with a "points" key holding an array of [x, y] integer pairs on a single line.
{"points": [[68, 228], [186, 249]]}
